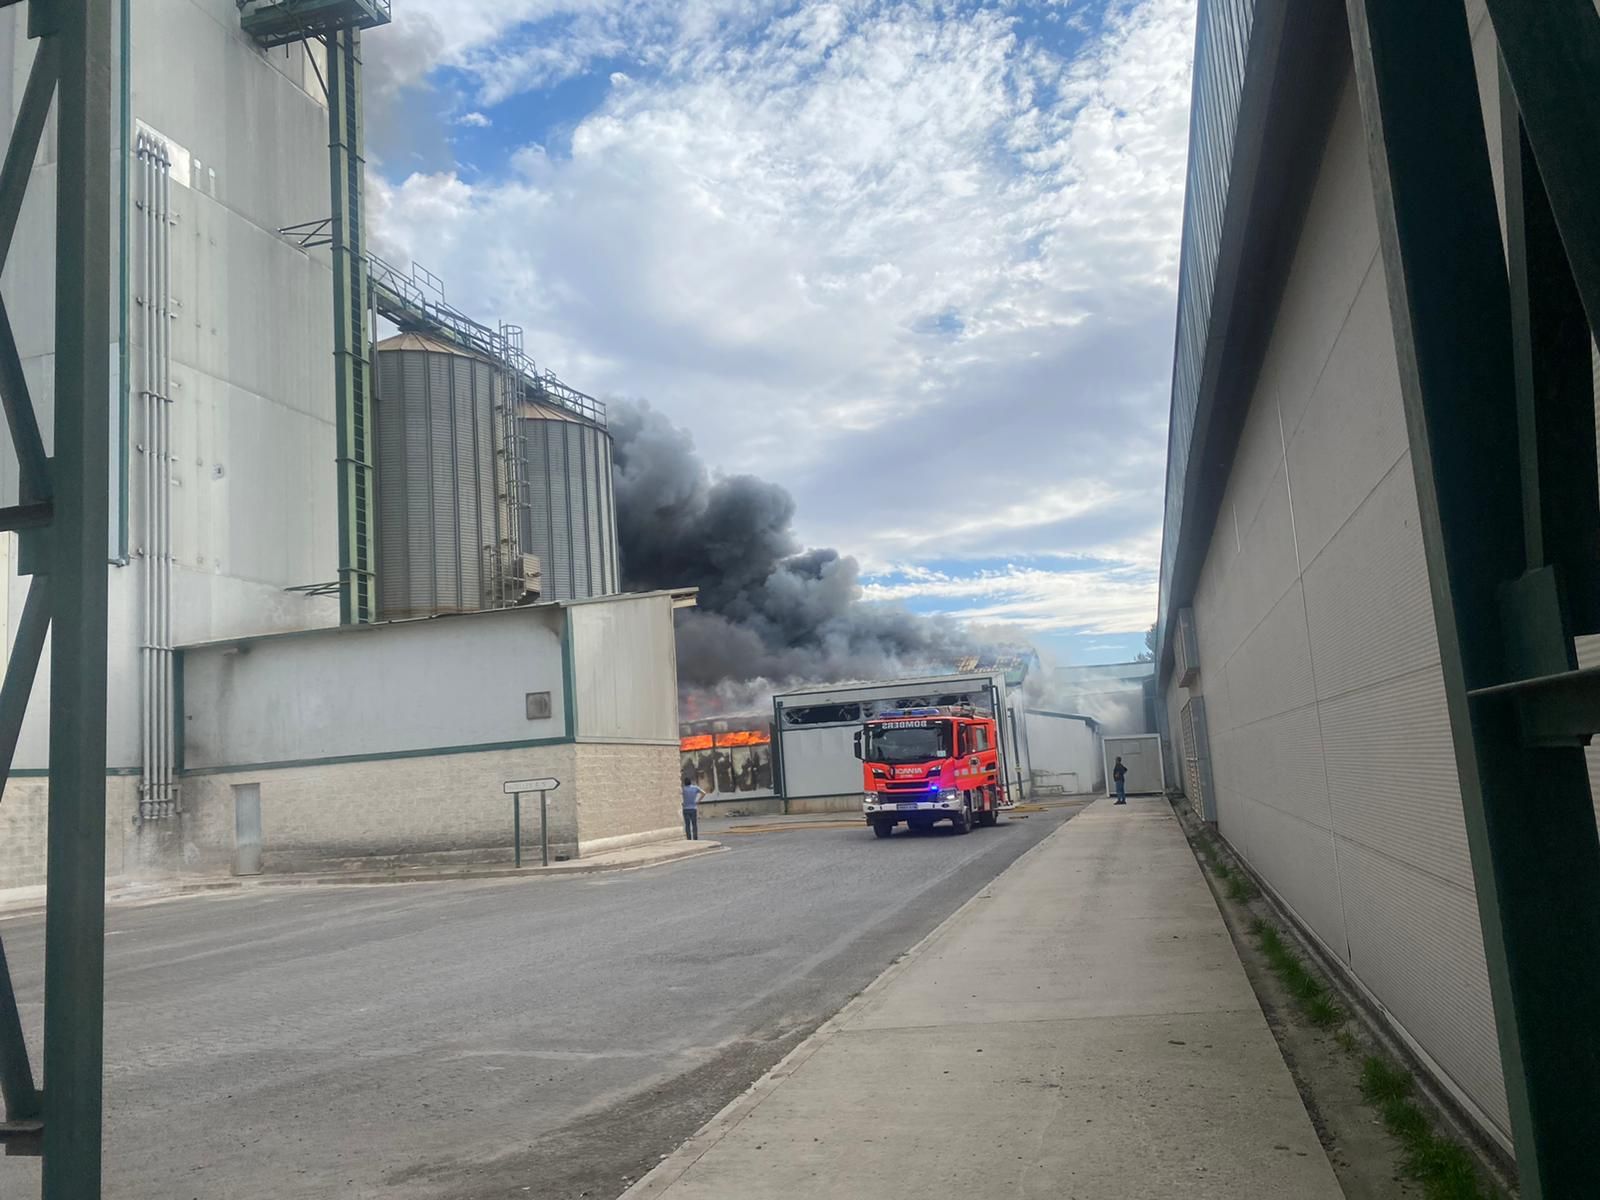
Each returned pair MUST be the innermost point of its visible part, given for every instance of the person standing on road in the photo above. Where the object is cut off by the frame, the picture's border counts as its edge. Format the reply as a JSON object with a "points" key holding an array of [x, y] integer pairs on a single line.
{"points": [[691, 809], [1119, 774]]}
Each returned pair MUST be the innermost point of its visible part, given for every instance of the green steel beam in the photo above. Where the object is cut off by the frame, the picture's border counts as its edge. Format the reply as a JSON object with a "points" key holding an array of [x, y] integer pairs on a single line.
{"points": [[23, 148], [1529, 816], [352, 364], [1555, 402], [21, 670], [34, 467], [74, 972], [22, 1099], [1551, 52]]}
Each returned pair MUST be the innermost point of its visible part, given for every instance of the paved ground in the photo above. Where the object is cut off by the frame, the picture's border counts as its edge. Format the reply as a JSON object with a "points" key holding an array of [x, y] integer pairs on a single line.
{"points": [[487, 1039], [1083, 1028]]}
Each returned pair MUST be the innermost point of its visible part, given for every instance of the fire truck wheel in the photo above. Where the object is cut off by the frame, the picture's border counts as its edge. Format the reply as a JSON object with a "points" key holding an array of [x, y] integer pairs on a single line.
{"points": [[882, 828], [962, 821]]}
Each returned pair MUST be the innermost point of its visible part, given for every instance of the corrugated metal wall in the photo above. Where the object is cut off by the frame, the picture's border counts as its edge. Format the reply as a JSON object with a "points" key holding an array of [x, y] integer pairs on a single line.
{"points": [[624, 666], [571, 516], [435, 478], [1222, 40], [1331, 751]]}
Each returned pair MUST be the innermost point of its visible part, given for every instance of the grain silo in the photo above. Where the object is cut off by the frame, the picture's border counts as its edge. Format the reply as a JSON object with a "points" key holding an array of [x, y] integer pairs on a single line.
{"points": [[435, 464], [570, 520]]}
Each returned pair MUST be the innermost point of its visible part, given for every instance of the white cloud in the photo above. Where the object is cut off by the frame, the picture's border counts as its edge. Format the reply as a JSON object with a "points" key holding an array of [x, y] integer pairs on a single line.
{"points": [[475, 120], [1092, 600], [898, 256]]}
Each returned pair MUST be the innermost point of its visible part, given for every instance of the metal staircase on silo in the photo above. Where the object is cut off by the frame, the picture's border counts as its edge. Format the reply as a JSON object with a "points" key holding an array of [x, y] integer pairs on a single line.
{"points": [[281, 22]]}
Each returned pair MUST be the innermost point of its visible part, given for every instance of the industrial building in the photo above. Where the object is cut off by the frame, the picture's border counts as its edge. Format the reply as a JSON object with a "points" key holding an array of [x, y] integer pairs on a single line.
{"points": [[286, 479], [1301, 672], [1064, 751], [730, 759], [814, 730], [1120, 696]]}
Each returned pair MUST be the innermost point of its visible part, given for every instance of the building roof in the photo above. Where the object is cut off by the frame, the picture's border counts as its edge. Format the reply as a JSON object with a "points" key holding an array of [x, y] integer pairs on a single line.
{"points": [[1065, 716], [915, 682], [681, 598], [409, 340], [1262, 98]]}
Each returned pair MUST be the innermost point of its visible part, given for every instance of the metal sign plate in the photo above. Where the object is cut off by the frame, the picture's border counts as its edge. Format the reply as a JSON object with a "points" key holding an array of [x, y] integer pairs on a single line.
{"points": [[513, 786]]}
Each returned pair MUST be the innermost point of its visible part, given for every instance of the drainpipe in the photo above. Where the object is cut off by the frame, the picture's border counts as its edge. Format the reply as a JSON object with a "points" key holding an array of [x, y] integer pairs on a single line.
{"points": [[164, 566], [147, 306], [157, 798]]}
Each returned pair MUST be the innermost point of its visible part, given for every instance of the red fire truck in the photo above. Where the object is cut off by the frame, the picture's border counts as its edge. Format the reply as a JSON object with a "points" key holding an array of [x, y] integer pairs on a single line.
{"points": [[923, 765]]}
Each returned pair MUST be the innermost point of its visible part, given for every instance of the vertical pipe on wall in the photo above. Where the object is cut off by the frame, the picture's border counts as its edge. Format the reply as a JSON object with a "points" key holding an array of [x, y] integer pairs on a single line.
{"points": [[146, 547], [156, 733], [164, 408]]}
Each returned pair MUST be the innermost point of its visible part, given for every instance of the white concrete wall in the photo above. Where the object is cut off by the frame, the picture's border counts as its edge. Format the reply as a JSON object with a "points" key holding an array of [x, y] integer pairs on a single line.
{"points": [[23, 816], [414, 809], [626, 794], [820, 760], [1064, 752], [625, 669], [1330, 743], [382, 689]]}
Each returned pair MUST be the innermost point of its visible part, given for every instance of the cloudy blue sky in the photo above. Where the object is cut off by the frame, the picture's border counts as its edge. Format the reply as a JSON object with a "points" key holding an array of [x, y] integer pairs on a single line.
{"points": [[914, 260]]}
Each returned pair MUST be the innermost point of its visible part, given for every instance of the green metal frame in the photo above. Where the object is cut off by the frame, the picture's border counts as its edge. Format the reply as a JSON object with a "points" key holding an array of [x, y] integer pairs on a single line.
{"points": [[352, 359], [65, 502], [1487, 379]]}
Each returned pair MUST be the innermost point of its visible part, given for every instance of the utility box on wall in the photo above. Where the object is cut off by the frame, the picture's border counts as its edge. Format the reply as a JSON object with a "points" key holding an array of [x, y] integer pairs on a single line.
{"points": [[1186, 651]]}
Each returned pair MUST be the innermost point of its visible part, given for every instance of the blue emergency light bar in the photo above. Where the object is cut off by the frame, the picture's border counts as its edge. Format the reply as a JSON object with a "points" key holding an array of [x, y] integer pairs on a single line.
{"points": [[909, 712]]}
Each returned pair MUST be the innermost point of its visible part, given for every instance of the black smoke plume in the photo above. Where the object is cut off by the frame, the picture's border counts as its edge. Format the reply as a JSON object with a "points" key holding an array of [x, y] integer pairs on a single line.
{"points": [[772, 614]]}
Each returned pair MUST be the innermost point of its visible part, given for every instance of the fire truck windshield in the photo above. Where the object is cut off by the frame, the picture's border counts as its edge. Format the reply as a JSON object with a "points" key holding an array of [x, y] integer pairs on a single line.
{"points": [[907, 741]]}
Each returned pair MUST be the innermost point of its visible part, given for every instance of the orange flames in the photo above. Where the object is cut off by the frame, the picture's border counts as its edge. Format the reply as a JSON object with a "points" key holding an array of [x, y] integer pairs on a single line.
{"points": [[742, 737]]}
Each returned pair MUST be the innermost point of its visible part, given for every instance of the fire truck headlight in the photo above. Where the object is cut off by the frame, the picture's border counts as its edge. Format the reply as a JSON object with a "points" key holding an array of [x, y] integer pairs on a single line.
{"points": [[948, 794]]}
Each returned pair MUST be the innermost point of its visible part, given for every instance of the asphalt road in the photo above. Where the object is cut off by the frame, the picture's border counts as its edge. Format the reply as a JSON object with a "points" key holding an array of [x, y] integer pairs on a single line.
{"points": [[517, 1038]]}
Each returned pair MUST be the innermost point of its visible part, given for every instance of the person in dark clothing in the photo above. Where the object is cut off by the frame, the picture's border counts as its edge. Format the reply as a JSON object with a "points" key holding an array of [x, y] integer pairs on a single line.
{"points": [[1119, 775], [691, 809]]}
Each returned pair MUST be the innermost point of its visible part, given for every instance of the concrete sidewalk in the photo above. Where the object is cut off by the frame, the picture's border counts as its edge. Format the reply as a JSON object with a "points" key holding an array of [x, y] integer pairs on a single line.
{"points": [[1081, 1028]]}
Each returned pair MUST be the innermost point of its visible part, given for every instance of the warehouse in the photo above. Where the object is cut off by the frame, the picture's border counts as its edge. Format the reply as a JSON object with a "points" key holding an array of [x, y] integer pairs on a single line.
{"points": [[410, 764], [1300, 671], [1064, 752], [816, 766], [1121, 697]]}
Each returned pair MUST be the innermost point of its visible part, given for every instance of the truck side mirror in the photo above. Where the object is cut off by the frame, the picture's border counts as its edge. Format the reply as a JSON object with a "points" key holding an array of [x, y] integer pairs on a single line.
{"points": [[858, 743]]}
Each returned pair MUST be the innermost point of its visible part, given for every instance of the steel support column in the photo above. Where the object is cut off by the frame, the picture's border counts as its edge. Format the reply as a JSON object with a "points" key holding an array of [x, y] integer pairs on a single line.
{"points": [[1552, 56], [1529, 817], [75, 890], [352, 365]]}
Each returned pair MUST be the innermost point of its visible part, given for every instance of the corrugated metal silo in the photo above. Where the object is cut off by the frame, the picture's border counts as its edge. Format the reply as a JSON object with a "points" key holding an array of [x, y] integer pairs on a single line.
{"points": [[570, 519], [435, 462]]}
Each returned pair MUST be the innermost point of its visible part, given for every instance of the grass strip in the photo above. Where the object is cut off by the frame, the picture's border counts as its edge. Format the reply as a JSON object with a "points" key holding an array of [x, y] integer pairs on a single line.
{"points": [[1442, 1167], [1310, 995]]}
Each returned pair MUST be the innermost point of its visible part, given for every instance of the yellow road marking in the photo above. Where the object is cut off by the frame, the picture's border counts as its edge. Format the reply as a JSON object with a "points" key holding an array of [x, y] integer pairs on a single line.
{"points": [[860, 824]]}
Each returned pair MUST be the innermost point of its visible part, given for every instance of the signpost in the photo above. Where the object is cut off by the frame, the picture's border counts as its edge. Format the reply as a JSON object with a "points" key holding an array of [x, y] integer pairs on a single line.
{"points": [[516, 788]]}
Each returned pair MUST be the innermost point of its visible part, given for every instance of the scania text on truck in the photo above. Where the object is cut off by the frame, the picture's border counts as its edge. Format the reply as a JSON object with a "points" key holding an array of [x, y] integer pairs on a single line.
{"points": [[924, 765]]}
